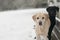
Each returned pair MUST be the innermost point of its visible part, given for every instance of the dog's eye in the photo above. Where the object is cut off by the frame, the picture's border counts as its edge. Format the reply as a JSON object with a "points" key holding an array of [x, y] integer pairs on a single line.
{"points": [[42, 17], [37, 17]]}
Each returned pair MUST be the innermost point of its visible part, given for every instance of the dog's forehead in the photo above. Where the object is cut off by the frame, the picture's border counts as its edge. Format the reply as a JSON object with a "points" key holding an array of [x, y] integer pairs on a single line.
{"points": [[40, 14]]}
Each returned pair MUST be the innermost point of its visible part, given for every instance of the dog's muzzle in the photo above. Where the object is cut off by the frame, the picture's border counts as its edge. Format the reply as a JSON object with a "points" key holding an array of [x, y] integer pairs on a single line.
{"points": [[40, 23]]}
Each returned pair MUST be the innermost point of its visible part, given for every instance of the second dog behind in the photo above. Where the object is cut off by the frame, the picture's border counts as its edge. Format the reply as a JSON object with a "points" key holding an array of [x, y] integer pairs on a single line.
{"points": [[42, 25]]}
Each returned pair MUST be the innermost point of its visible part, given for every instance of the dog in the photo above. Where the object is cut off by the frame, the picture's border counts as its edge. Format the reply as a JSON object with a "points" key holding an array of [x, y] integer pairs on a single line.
{"points": [[52, 11], [42, 24]]}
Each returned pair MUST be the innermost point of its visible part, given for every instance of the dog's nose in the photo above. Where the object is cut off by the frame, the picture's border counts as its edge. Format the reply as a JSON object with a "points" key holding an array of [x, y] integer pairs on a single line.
{"points": [[40, 23]]}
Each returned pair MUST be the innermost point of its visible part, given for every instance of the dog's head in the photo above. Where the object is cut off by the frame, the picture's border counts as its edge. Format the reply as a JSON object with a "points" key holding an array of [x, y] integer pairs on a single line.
{"points": [[52, 10], [40, 18]]}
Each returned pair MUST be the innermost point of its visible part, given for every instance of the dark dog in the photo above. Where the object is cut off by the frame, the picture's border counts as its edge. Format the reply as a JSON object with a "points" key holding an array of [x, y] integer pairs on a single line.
{"points": [[52, 10]]}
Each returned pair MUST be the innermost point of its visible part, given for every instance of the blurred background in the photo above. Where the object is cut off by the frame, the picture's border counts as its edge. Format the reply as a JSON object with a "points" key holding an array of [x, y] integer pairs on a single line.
{"points": [[26, 4], [22, 4], [7, 5]]}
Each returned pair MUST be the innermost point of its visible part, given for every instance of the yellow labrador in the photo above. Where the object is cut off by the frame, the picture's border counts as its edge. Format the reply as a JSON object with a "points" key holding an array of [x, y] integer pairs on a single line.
{"points": [[42, 25]]}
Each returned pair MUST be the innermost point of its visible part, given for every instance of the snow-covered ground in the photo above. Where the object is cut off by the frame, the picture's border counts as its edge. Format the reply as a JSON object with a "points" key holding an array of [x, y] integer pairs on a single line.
{"points": [[18, 24]]}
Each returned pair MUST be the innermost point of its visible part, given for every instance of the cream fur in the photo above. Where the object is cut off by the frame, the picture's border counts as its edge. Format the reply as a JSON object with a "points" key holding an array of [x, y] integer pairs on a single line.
{"points": [[41, 31]]}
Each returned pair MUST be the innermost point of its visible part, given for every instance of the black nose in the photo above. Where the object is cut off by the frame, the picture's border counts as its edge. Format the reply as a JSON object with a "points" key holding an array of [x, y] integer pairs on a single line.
{"points": [[40, 23]]}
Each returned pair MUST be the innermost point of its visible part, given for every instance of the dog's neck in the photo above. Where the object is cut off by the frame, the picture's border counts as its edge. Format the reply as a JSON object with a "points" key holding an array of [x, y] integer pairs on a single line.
{"points": [[42, 37]]}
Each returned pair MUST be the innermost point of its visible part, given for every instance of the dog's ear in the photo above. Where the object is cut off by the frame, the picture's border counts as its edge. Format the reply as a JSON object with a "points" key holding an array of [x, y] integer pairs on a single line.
{"points": [[34, 17], [57, 9], [49, 9]]}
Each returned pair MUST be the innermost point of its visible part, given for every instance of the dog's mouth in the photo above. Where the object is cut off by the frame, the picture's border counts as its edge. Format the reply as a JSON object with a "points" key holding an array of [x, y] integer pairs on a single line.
{"points": [[40, 23]]}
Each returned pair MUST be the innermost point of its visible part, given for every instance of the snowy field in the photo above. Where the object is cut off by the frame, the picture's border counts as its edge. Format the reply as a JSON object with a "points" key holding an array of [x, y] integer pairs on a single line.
{"points": [[18, 24]]}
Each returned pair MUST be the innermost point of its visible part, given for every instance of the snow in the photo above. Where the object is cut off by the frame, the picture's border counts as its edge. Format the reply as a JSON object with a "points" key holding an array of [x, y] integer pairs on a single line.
{"points": [[18, 24]]}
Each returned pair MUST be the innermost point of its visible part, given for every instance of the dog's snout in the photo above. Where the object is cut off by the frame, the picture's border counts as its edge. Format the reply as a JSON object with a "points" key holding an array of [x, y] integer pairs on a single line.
{"points": [[40, 23]]}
